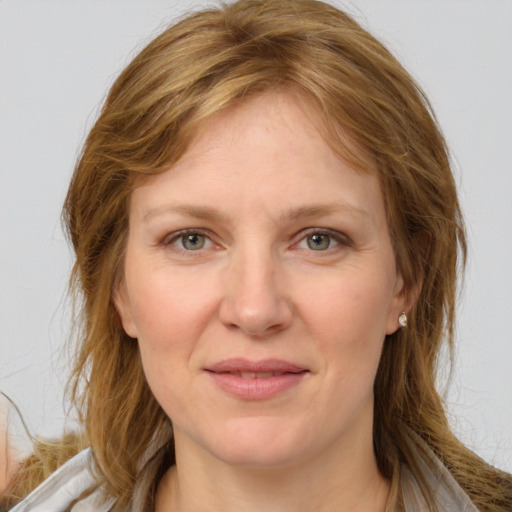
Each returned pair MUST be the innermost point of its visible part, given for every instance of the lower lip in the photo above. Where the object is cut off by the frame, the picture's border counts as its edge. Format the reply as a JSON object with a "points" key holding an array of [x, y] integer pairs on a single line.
{"points": [[256, 389]]}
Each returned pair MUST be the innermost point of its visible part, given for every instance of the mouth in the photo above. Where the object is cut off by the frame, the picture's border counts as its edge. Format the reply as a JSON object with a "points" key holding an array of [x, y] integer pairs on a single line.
{"points": [[256, 375], [250, 369], [256, 380]]}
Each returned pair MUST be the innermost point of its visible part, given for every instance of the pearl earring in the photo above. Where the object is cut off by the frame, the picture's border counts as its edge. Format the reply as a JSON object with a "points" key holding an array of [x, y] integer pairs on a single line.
{"points": [[402, 319]]}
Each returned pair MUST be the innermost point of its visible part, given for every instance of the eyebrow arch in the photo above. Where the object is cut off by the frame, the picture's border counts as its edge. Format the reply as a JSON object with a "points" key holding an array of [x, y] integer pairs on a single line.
{"points": [[198, 212], [321, 210], [212, 214]]}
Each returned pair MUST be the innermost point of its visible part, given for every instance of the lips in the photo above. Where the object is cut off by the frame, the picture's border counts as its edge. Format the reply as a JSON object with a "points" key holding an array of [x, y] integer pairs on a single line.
{"points": [[258, 375], [240, 365], [255, 380]]}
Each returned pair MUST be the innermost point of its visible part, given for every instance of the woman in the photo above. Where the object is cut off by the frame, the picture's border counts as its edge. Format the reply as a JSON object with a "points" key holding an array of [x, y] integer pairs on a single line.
{"points": [[267, 237]]}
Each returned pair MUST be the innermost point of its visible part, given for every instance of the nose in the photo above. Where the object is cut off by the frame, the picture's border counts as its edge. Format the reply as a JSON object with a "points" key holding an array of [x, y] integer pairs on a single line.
{"points": [[254, 300]]}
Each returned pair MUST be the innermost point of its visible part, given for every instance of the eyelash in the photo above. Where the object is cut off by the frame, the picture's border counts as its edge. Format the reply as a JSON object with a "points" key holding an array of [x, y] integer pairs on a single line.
{"points": [[339, 238], [171, 239]]}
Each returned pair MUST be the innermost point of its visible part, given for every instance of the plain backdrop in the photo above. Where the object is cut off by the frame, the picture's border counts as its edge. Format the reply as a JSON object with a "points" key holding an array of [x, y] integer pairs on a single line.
{"points": [[57, 60]]}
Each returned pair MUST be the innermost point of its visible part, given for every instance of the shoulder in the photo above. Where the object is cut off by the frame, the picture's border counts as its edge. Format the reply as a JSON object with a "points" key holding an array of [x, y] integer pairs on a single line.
{"points": [[59, 492], [424, 479]]}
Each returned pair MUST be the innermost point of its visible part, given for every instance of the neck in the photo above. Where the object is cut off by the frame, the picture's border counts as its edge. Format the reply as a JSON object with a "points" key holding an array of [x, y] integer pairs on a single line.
{"points": [[340, 480]]}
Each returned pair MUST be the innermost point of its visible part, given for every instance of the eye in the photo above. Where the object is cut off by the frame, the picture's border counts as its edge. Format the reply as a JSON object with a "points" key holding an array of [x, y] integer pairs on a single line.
{"points": [[193, 241], [189, 241], [321, 241]]}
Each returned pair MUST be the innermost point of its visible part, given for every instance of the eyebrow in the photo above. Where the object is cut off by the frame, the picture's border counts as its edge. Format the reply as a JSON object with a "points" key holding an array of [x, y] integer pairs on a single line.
{"points": [[212, 214], [322, 210], [188, 210]]}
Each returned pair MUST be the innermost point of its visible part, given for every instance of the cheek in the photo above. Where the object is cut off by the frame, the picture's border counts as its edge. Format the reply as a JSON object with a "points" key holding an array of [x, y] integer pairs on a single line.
{"points": [[352, 308], [169, 309], [348, 325], [170, 317]]}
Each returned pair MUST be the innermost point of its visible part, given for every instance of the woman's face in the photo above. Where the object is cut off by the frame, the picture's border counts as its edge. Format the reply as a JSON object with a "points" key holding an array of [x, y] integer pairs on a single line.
{"points": [[260, 283]]}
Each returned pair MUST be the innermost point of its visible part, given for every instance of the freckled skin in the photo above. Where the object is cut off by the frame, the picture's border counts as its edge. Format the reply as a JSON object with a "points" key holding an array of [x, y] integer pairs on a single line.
{"points": [[256, 289]]}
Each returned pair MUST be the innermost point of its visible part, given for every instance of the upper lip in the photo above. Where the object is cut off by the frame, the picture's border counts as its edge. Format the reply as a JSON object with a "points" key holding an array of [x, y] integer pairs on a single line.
{"points": [[236, 365]]}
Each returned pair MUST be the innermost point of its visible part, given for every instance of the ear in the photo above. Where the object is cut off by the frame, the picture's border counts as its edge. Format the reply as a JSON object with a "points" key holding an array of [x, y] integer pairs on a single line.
{"points": [[404, 300], [123, 307], [407, 295]]}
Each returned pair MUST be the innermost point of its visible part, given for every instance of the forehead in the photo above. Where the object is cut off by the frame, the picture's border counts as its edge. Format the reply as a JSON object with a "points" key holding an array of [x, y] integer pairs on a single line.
{"points": [[267, 152], [292, 108]]}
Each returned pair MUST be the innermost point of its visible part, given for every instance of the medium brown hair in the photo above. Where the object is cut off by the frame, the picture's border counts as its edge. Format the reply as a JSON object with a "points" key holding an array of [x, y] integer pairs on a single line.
{"points": [[199, 66]]}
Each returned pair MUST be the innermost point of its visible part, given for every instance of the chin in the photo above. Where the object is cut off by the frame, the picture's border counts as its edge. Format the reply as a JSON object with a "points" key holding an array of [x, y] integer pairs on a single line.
{"points": [[255, 457], [259, 444]]}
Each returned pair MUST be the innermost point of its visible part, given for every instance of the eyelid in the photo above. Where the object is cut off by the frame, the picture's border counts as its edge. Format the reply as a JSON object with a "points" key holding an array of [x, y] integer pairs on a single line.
{"points": [[338, 236], [170, 239]]}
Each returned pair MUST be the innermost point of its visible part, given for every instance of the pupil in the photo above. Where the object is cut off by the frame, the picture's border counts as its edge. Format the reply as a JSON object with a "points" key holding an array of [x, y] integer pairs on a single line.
{"points": [[317, 242], [193, 241]]}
